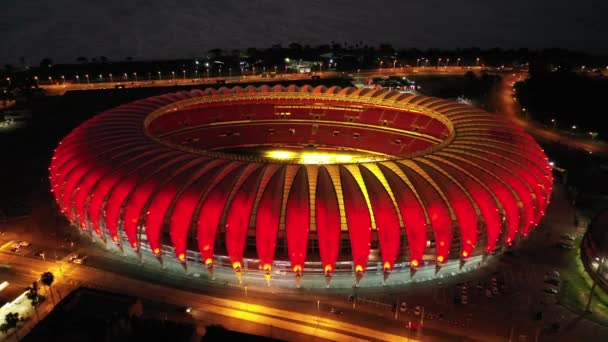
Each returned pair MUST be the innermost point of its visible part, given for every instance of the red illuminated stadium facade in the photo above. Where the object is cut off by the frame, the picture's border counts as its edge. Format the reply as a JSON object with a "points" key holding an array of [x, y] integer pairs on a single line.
{"points": [[320, 179]]}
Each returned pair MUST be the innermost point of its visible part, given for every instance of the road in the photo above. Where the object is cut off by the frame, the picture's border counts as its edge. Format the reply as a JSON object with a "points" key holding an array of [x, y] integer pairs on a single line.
{"points": [[502, 99]]}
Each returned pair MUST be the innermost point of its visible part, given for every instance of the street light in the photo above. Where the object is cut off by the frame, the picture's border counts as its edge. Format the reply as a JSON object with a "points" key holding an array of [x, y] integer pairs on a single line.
{"points": [[159, 76], [394, 64], [477, 61], [111, 79], [230, 71], [87, 77], [554, 122], [126, 77], [36, 79], [184, 73], [77, 79], [447, 61], [457, 61], [173, 75], [135, 75], [438, 61], [8, 79], [418, 62]]}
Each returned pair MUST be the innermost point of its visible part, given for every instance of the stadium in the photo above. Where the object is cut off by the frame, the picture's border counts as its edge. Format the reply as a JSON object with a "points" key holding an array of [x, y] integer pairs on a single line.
{"points": [[302, 180]]}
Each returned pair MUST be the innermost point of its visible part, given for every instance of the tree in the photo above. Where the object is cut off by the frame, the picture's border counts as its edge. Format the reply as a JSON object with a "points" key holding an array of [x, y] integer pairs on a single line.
{"points": [[11, 319], [81, 59], [47, 279], [34, 297]]}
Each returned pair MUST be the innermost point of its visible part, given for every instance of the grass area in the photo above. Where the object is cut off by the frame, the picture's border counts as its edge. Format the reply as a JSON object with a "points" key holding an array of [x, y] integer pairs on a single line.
{"points": [[576, 286]]}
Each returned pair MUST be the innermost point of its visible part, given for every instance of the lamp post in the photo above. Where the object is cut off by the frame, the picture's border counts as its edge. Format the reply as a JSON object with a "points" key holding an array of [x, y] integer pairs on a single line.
{"points": [[87, 77], [126, 77], [135, 76], [50, 80], [457, 61], [111, 79], [184, 73], [447, 62], [230, 72], [159, 76], [77, 79], [36, 79], [554, 122], [62, 79], [173, 75], [395, 64], [438, 61], [8, 79], [417, 62], [477, 61]]}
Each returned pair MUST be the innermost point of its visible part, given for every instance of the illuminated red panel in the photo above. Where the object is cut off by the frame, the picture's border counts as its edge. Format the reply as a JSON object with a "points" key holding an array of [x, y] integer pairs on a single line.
{"points": [[438, 212], [160, 200], [463, 209], [72, 180], [98, 195], [211, 212], [484, 200], [117, 197], [239, 214], [83, 191], [297, 220], [503, 192], [512, 177], [184, 207], [62, 177], [134, 207], [156, 213], [357, 218], [386, 217], [328, 220], [141, 195], [268, 217], [411, 212]]}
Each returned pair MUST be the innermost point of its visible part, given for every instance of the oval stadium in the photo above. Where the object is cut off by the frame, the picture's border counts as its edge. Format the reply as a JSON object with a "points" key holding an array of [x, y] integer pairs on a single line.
{"points": [[309, 181]]}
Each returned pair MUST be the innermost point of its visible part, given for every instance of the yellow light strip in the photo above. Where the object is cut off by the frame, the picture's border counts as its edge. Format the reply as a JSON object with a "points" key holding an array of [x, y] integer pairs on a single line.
{"points": [[312, 172], [375, 170], [290, 173], [356, 173], [334, 174], [269, 171]]}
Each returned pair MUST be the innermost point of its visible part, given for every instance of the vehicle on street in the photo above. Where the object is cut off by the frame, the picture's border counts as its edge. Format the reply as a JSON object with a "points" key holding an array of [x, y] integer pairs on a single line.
{"points": [[417, 310], [337, 312], [566, 245], [550, 290], [403, 307], [553, 273], [552, 281], [464, 299], [567, 237], [24, 243]]}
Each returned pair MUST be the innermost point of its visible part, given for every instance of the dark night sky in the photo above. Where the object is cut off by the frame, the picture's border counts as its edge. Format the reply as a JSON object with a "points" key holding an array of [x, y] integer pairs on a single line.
{"points": [[153, 29]]}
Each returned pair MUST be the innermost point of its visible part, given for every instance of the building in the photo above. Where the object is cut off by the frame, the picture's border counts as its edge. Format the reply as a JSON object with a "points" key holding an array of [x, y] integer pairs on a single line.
{"points": [[594, 249], [303, 180]]}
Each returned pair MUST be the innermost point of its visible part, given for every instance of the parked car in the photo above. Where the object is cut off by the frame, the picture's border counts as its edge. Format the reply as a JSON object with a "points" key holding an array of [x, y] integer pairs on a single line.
{"points": [[566, 245], [550, 290], [567, 237], [417, 310], [552, 281], [403, 307], [24, 243]]}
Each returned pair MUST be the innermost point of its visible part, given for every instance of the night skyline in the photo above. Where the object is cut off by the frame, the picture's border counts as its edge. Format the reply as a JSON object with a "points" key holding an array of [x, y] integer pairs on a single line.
{"points": [[152, 30]]}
